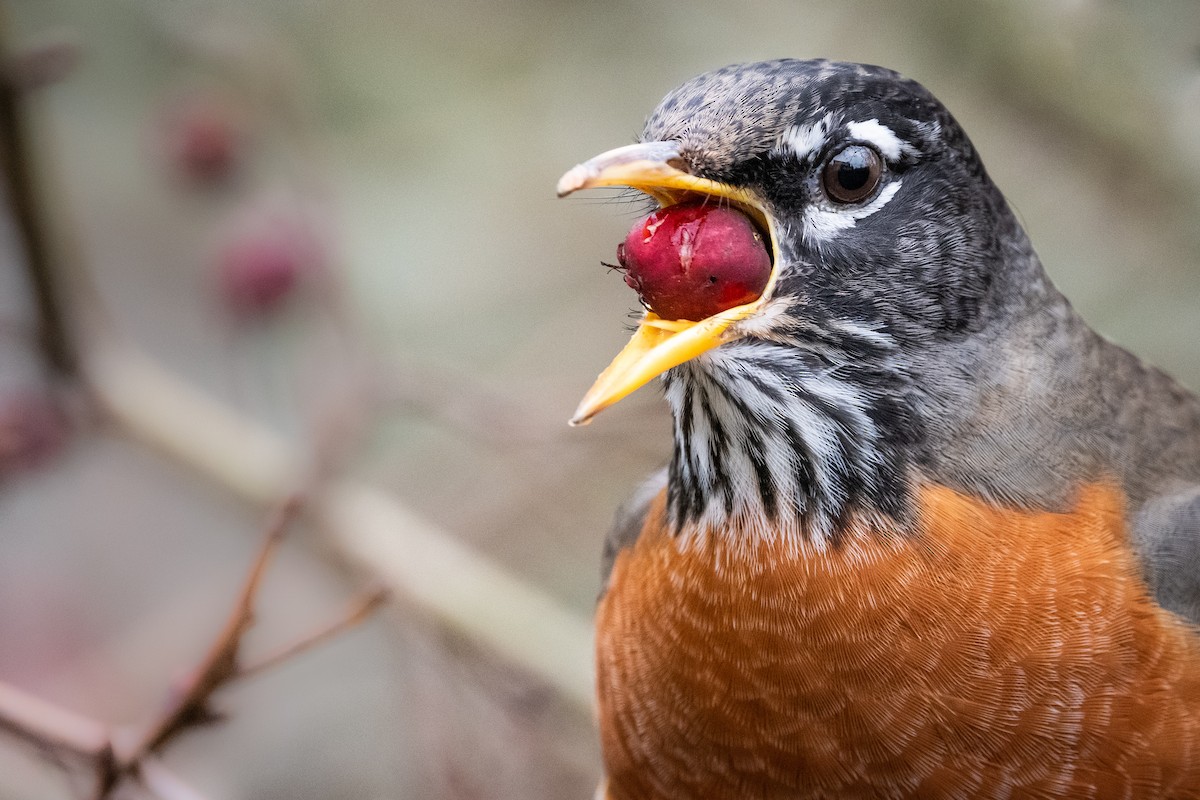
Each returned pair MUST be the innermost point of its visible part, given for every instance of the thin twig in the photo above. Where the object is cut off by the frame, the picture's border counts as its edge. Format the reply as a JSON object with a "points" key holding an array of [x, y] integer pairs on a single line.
{"points": [[360, 609], [59, 732], [219, 666]]}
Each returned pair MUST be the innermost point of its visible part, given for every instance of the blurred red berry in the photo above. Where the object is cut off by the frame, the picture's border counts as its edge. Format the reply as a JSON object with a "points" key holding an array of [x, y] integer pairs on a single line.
{"points": [[260, 267], [34, 429], [204, 139]]}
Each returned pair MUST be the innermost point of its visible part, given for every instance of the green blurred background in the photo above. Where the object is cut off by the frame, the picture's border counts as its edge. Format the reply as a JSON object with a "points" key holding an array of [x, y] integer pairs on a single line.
{"points": [[413, 148]]}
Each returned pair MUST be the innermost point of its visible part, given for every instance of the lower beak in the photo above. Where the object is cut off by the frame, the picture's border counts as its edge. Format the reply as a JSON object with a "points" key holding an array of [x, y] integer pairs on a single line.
{"points": [[657, 169]]}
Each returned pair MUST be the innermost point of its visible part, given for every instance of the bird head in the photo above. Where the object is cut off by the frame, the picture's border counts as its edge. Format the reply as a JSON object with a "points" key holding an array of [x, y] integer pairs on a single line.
{"points": [[888, 240]]}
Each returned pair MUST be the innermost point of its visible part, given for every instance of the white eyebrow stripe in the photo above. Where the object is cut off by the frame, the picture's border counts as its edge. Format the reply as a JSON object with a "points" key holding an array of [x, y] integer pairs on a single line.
{"points": [[805, 141], [885, 140]]}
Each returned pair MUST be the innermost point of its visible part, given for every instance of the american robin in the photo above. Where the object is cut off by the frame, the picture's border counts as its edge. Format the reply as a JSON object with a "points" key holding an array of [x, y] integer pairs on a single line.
{"points": [[924, 533]]}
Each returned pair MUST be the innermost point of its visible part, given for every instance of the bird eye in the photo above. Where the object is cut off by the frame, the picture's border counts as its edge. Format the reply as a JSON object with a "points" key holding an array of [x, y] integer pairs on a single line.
{"points": [[852, 174]]}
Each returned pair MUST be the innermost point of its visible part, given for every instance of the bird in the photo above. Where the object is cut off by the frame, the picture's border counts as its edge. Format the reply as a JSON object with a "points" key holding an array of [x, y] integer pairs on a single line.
{"points": [[923, 532]]}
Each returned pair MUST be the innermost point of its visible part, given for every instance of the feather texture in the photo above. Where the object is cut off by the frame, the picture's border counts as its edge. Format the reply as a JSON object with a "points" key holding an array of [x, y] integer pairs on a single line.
{"points": [[995, 653]]}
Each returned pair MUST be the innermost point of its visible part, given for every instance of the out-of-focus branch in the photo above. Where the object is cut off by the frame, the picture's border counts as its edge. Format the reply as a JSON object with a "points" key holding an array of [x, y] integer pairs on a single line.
{"points": [[360, 609], [448, 581], [25, 204], [60, 732], [429, 568], [220, 665], [47, 725]]}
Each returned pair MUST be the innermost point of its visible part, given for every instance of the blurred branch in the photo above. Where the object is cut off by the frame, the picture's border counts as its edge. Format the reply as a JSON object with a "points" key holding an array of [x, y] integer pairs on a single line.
{"points": [[464, 591], [25, 204], [360, 609], [190, 706], [60, 732], [452, 583], [46, 725]]}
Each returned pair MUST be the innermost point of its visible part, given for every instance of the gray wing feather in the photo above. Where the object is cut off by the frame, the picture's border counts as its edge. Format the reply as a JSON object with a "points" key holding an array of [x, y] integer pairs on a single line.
{"points": [[627, 523], [1167, 528]]}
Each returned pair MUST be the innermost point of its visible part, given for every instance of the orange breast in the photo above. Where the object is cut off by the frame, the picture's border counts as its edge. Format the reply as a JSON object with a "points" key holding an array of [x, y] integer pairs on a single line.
{"points": [[996, 653]]}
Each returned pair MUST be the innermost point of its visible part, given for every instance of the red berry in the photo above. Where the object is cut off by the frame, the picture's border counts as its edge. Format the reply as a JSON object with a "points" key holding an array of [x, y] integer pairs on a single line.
{"points": [[261, 267], [693, 260], [204, 139]]}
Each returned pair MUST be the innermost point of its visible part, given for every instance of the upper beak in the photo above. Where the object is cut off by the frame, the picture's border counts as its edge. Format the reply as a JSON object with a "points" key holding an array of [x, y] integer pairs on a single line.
{"points": [[657, 169]]}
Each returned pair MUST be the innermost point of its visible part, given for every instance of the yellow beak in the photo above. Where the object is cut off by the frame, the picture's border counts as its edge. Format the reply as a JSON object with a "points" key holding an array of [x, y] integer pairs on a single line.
{"points": [[657, 169]]}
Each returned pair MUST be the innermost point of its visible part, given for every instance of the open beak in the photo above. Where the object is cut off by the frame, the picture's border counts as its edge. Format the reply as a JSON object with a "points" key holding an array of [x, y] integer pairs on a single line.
{"points": [[657, 169]]}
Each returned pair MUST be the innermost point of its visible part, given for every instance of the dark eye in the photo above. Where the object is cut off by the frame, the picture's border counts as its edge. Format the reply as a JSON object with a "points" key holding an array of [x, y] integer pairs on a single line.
{"points": [[852, 175]]}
